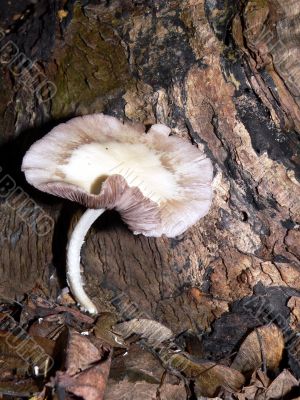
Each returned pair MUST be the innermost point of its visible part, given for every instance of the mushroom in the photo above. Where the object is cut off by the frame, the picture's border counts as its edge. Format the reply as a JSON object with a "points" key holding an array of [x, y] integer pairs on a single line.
{"points": [[160, 184]]}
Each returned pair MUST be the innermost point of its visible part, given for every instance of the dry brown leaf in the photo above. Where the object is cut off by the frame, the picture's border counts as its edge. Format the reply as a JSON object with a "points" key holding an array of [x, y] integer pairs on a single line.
{"points": [[248, 393], [209, 377], [262, 378], [37, 307], [87, 368], [81, 353], [153, 331], [10, 362], [260, 387], [44, 328], [142, 390], [282, 385], [262, 347], [258, 384], [140, 375], [137, 364], [25, 354], [89, 384], [294, 306], [104, 330], [19, 388]]}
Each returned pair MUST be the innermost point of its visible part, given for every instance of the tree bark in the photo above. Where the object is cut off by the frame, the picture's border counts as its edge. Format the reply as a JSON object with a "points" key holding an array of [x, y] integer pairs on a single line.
{"points": [[222, 74]]}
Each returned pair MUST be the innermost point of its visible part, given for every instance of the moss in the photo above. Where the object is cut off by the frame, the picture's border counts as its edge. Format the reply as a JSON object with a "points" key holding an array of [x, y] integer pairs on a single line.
{"points": [[90, 64]]}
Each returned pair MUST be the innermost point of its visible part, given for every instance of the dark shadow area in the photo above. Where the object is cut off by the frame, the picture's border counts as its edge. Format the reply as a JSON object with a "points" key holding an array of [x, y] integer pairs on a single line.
{"points": [[12, 153], [60, 241], [267, 305], [11, 156], [109, 220]]}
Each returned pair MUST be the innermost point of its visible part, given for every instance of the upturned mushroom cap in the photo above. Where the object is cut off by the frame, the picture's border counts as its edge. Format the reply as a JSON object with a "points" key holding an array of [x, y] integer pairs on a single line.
{"points": [[160, 184]]}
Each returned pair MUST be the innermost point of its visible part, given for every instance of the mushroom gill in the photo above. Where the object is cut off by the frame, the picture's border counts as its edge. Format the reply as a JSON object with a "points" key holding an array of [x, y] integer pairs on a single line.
{"points": [[160, 184]]}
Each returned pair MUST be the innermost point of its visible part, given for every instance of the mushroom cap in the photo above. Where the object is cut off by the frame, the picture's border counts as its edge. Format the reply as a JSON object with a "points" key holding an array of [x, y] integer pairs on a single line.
{"points": [[160, 184]]}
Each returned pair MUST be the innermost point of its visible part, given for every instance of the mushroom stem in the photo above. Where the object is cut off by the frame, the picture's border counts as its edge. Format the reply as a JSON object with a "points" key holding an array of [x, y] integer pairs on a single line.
{"points": [[73, 258]]}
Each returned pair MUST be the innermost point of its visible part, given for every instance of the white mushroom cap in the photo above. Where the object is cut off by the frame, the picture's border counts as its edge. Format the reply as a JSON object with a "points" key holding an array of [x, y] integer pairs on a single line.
{"points": [[160, 184]]}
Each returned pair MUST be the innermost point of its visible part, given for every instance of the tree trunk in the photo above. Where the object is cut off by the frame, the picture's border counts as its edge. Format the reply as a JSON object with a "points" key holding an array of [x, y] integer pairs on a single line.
{"points": [[222, 74]]}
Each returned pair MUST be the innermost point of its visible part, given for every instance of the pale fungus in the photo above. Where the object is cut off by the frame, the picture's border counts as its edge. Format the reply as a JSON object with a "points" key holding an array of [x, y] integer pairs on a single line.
{"points": [[160, 184]]}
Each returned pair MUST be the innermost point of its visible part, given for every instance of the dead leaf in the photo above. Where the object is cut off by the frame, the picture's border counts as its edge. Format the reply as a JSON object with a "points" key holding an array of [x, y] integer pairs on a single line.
{"points": [[19, 388], [140, 375], [260, 387], [44, 328], [256, 388], [89, 384], [38, 307], [142, 390], [81, 353], [137, 365], [282, 385], [262, 347], [87, 367], [294, 306], [209, 377], [25, 354], [104, 330], [154, 332]]}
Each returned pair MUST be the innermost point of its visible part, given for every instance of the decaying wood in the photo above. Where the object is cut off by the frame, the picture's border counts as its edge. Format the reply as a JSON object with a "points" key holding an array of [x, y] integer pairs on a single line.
{"points": [[222, 74]]}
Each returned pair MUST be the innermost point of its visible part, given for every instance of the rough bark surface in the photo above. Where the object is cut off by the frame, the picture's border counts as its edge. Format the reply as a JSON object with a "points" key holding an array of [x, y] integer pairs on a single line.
{"points": [[222, 74]]}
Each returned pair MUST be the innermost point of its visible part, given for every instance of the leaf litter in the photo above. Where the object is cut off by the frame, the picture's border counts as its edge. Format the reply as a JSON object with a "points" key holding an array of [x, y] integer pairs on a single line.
{"points": [[53, 351]]}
